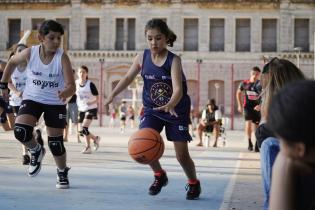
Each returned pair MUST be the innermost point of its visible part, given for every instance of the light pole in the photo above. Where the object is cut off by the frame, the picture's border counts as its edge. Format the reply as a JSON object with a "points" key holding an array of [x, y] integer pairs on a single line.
{"points": [[217, 86], [199, 61], [102, 61], [297, 51]]}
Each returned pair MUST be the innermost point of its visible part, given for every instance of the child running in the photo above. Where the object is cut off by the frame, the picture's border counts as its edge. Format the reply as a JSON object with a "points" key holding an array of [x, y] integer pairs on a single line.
{"points": [[49, 82], [16, 87], [87, 98], [165, 100]]}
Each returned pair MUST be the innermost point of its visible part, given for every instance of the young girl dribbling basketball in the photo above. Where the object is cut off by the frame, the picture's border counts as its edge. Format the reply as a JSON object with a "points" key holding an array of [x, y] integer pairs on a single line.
{"points": [[165, 100]]}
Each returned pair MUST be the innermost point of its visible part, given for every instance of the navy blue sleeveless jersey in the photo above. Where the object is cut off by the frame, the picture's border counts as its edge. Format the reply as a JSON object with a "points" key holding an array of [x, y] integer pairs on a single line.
{"points": [[158, 89]]}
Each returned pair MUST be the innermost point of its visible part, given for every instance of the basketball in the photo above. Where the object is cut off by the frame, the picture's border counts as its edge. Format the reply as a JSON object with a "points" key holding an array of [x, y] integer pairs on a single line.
{"points": [[145, 146]]}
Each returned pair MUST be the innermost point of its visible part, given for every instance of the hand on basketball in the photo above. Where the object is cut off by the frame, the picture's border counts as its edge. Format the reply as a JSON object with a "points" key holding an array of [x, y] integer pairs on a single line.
{"points": [[167, 108]]}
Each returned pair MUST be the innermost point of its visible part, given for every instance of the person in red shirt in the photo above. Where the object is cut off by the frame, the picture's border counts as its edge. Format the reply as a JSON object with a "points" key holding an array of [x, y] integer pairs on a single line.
{"points": [[251, 103]]}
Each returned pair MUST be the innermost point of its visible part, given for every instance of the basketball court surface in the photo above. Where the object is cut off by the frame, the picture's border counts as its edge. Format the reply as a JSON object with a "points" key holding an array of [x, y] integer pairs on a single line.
{"points": [[110, 180]]}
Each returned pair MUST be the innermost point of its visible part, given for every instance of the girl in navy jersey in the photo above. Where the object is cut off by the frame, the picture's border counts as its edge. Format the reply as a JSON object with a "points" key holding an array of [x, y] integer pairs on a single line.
{"points": [[87, 98], [49, 82], [165, 100]]}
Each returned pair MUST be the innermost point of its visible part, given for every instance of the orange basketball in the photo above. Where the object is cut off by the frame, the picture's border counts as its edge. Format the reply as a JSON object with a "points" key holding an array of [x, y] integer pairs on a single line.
{"points": [[146, 145]]}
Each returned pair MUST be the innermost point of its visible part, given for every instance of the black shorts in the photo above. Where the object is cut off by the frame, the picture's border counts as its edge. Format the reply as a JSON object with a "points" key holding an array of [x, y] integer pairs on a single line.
{"points": [[15, 109], [252, 115], [54, 115], [89, 114], [208, 128]]}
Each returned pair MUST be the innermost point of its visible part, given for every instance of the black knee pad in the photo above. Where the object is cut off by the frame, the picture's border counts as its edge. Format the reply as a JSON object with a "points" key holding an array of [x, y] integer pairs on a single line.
{"points": [[56, 145], [23, 132], [85, 131]]}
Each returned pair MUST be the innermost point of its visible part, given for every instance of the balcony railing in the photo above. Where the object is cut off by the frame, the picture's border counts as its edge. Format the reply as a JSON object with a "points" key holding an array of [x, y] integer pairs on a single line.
{"points": [[34, 1]]}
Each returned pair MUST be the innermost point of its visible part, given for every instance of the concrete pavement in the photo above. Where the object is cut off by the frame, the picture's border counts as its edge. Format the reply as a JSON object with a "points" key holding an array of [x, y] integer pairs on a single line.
{"points": [[109, 179]]}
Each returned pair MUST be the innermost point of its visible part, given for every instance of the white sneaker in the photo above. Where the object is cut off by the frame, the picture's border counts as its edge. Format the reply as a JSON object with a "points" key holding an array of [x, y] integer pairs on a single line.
{"points": [[97, 143], [86, 150], [36, 161]]}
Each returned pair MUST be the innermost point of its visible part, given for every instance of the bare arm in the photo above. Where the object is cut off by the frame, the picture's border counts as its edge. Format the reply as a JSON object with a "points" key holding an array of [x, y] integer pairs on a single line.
{"points": [[13, 89], [239, 100], [126, 80], [13, 62], [95, 101], [68, 78], [11, 65], [176, 74], [282, 188]]}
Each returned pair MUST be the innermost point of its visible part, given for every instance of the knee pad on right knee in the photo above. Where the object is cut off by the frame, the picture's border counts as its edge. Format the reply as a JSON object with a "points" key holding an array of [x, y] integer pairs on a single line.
{"points": [[23, 132], [85, 131]]}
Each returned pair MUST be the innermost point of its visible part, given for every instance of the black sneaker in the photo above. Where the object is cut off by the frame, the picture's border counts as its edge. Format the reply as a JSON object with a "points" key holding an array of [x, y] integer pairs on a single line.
{"points": [[38, 137], [36, 161], [193, 191], [159, 182], [256, 147], [250, 146], [26, 160], [62, 179]]}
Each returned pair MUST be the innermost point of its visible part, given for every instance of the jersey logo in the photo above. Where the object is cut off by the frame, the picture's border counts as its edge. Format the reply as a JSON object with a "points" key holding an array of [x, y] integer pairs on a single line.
{"points": [[161, 93], [45, 84]]}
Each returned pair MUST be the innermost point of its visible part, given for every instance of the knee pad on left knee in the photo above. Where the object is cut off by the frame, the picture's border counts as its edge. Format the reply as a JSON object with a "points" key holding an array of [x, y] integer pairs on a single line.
{"points": [[56, 145]]}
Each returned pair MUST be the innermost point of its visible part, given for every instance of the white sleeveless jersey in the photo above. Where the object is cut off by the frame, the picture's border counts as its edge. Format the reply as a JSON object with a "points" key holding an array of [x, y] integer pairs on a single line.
{"points": [[44, 81], [84, 96], [19, 81]]}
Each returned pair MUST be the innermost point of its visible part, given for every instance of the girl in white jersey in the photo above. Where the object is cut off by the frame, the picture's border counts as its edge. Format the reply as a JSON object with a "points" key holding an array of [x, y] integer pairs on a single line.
{"points": [[49, 82], [87, 98], [17, 86]]}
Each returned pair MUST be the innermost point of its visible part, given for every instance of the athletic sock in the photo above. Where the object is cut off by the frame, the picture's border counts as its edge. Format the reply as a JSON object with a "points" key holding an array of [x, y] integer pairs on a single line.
{"points": [[193, 181], [159, 173]]}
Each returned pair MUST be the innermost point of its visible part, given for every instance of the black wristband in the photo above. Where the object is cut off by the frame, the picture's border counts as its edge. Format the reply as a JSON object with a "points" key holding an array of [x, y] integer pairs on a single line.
{"points": [[3, 85]]}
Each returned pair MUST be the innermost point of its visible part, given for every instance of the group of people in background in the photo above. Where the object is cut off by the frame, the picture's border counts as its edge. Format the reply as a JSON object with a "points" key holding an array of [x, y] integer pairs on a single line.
{"points": [[42, 80]]}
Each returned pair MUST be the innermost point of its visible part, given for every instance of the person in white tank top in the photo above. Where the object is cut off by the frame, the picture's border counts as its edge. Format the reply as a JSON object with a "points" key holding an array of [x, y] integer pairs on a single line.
{"points": [[87, 99], [17, 86], [49, 83]]}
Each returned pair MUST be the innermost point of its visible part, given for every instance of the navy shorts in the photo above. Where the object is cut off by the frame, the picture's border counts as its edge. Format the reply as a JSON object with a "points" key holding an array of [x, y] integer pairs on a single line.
{"points": [[173, 131], [54, 115]]}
